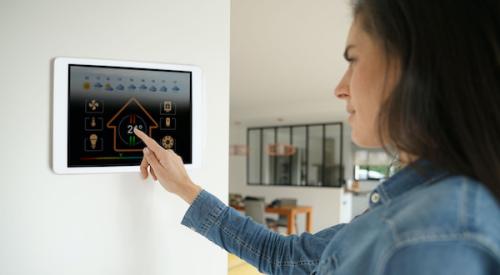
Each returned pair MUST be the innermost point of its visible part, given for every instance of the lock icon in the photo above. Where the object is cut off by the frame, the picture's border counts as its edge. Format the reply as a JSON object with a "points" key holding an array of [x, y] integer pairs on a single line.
{"points": [[167, 106]]}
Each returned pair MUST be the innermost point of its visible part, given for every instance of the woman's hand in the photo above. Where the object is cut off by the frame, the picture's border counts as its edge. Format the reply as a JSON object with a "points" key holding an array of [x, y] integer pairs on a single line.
{"points": [[168, 168]]}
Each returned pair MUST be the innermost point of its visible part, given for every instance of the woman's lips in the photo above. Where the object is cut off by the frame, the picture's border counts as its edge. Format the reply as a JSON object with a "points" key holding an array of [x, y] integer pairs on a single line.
{"points": [[351, 115], [351, 111]]}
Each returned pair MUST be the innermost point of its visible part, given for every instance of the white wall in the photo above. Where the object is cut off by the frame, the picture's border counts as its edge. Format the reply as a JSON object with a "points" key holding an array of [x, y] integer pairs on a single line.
{"points": [[111, 223], [330, 205], [286, 58]]}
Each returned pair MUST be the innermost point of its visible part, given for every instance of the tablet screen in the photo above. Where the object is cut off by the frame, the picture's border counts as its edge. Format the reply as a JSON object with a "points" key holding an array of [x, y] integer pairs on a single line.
{"points": [[106, 103]]}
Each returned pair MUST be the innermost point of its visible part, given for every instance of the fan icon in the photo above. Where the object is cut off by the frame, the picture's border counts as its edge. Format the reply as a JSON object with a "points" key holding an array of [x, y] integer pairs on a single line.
{"points": [[93, 105]]}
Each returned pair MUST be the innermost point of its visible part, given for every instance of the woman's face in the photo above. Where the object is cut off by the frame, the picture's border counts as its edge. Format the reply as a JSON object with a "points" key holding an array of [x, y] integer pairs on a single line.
{"points": [[365, 84]]}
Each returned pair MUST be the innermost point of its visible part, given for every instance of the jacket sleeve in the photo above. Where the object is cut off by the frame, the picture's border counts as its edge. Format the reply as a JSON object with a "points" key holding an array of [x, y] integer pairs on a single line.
{"points": [[267, 250]]}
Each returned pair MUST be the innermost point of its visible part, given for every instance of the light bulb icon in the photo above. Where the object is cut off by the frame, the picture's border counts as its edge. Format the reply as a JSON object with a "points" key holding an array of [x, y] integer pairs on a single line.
{"points": [[167, 122], [93, 141], [92, 122]]}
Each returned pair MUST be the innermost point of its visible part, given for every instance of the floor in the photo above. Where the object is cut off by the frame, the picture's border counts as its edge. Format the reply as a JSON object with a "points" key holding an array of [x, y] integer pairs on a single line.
{"points": [[239, 267]]}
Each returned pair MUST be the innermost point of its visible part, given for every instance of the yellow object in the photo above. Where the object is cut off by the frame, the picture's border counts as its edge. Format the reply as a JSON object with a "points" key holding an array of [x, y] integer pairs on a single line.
{"points": [[239, 267]]}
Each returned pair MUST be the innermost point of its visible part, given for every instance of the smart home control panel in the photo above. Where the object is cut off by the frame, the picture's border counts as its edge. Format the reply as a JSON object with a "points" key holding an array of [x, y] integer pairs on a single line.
{"points": [[98, 103]]}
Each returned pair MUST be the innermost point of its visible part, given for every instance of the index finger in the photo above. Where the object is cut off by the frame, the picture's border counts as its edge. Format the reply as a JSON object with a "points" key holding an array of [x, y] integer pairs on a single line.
{"points": [[150, 143]]}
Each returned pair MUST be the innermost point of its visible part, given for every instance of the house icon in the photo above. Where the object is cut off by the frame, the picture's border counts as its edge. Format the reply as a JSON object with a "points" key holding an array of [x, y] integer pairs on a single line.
{"points": [[131, 115]]}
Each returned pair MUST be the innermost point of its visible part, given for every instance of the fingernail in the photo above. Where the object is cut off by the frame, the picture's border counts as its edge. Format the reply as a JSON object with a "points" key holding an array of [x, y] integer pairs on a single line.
{"points": [[146, 150]]}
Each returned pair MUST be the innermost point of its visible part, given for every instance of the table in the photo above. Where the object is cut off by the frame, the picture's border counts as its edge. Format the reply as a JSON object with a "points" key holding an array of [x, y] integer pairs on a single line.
{"points": [[291, 212]]}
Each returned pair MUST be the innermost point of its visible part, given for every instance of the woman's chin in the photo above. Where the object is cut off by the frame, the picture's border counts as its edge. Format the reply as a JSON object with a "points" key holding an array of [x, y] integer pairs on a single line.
{"points": [[364, 140]]}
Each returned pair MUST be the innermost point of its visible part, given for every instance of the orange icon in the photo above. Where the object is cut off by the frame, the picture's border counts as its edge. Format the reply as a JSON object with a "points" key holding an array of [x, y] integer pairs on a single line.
{"points": [[94, 104], [167, 142], [167, 106], [93, 141]]}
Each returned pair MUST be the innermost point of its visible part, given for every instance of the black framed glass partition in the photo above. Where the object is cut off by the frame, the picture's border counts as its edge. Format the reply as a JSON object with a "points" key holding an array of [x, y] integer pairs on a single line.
{"points": [[296, 155]]}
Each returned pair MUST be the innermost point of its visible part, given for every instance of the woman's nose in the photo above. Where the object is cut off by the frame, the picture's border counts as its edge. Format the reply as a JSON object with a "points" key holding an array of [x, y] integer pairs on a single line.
{"points": [[342, 89], [341, 92]]}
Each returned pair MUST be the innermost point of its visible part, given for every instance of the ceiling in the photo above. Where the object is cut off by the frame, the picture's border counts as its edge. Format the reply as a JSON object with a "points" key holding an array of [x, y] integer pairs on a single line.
{"points": [[286, 59]]}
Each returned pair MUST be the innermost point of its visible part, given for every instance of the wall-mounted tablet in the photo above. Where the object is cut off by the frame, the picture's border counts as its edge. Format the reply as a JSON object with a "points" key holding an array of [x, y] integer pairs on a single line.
{"points": [[98, 103]]}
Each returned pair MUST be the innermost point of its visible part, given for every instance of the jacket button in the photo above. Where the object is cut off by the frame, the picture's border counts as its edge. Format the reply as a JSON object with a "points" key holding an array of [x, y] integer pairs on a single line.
{"points": [[375, 197]]}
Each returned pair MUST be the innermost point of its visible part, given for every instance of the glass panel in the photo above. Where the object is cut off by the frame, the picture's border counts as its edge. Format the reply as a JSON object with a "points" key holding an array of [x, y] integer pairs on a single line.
{"points": [[315, 156], [333, 168], [268, 163], [299, 155], [254, 152], [284, 151], [371, 164], [298, 158]]}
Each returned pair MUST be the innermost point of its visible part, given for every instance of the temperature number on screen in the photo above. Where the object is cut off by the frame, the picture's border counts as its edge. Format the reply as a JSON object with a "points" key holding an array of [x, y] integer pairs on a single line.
{"points": [[131, 128], [126, 129]]}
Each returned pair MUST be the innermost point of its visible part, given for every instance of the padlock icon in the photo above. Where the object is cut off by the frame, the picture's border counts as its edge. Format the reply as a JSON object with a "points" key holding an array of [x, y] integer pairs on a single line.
{"points": [[167, 106]]}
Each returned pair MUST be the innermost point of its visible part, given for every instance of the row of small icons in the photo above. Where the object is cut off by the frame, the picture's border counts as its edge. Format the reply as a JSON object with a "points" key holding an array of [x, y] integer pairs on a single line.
{"points": [[96, 123], [93, 105], [93, 141], [87, 86], [169, 122], [96, 143], [93, 124]]}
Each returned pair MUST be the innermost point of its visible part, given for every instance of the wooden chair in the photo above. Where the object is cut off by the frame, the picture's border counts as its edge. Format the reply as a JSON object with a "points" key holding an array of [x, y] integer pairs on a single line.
{"points": [[283, 219]]}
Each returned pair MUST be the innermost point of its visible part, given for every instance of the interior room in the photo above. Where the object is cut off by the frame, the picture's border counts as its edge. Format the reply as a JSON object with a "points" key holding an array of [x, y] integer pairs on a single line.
{"points": [[267, 64], [212, 137], [285, 62]]}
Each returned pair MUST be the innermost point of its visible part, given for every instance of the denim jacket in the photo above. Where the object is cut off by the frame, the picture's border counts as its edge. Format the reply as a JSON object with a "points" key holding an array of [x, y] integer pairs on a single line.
{"points": [[420, 221]]}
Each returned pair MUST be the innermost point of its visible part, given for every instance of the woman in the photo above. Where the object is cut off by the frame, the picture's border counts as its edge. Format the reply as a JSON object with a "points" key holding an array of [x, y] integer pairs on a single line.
{"points": [[423, 81]]}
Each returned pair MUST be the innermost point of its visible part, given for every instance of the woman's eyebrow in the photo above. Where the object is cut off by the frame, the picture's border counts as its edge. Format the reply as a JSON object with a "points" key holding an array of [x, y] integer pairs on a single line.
{"points": [[347, 50]]}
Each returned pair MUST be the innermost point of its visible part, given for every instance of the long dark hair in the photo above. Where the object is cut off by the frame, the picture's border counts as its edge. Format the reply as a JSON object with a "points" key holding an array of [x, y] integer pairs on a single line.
{"points": [[446, 106]]}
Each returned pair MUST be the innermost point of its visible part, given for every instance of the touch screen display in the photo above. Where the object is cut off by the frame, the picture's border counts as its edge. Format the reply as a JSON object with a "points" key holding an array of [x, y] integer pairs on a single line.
{"points": [[106, 103]]}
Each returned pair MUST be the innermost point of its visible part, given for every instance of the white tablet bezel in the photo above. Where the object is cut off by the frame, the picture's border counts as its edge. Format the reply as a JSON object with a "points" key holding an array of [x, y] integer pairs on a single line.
{"points": [[60, 112]]}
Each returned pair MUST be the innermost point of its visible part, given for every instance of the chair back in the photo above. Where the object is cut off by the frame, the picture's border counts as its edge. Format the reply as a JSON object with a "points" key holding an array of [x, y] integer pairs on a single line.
{"points": [[255, 209], [287, 201]]}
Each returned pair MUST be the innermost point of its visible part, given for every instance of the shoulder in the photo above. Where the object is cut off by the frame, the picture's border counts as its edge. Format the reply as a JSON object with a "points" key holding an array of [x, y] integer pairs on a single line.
{"points": [[439, 257], [453, 213]]}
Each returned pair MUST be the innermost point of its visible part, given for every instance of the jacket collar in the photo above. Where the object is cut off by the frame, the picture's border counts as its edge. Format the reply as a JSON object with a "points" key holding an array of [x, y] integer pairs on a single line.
{"points": [[413, 175]]}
